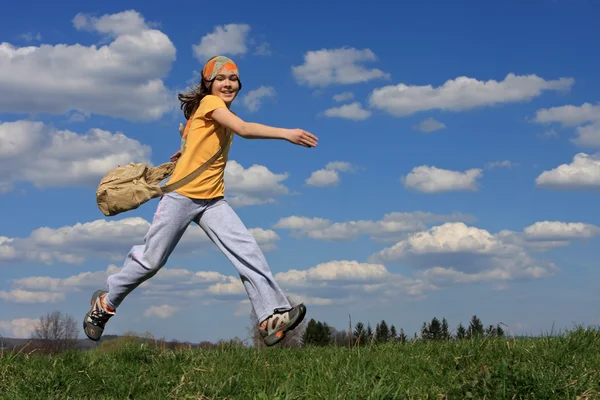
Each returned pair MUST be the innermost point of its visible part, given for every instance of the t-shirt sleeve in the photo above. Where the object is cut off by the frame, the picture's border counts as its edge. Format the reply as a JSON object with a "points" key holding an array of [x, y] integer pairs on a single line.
{"points": [[208, 105]]}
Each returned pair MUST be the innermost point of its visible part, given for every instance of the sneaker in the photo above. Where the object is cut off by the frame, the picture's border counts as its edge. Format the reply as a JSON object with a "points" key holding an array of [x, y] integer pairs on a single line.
{"points": [[274, 328], [97, 317]]}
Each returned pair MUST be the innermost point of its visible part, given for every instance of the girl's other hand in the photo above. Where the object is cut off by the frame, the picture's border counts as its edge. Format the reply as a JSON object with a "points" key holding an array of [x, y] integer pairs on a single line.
{"points": [[302, 138], [176, 156]]}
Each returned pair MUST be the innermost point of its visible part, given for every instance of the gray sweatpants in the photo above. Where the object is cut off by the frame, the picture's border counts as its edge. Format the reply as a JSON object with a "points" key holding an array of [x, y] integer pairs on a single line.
{"points": [[222, 225]]}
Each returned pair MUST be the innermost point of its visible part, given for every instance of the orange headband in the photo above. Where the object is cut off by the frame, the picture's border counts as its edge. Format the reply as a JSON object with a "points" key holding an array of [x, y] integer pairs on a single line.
{"points": [[216, 65]]}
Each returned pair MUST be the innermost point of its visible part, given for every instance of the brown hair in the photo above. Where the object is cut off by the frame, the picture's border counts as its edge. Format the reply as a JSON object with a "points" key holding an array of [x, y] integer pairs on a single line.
{"points": [[191, 100]]}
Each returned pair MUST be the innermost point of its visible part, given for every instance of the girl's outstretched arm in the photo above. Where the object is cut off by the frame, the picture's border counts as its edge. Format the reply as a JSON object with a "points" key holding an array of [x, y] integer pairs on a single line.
{"points": [[252, 130]]}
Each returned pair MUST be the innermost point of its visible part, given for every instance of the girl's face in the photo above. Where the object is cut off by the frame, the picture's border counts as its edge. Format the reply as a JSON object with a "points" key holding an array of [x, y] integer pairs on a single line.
{"points": [[226, 86]]}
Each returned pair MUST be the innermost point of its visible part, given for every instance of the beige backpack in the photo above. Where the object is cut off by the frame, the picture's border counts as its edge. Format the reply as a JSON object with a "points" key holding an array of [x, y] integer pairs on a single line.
{"points": [[128, 187]]}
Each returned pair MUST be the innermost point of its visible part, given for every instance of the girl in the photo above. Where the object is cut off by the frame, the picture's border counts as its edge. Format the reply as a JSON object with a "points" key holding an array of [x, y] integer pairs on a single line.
{"points": [[202, 201]]}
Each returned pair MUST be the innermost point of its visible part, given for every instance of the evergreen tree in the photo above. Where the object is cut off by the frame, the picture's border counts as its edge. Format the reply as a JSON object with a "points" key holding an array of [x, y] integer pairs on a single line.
{"points": [[435, 329], [461, 332], [393, 335], [402, 337], [499, 331], [369, 332], [382, 333], [317, 333], [475, 328], [424, 332], [445, 331], [490, 331], [360, 334]]}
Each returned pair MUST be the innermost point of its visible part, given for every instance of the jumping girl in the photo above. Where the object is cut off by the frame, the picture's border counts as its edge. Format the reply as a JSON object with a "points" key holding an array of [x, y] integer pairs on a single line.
{"points": [[202, 201]]}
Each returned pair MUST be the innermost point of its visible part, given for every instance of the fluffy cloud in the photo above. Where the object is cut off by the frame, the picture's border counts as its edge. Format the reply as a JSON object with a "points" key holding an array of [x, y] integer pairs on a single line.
{"points": [[24, 296], [47, 157], [556, 230], [462, 94], [253, 100], [329, 176], [163, 311], [391, 227], [582, 173], [455, 252], [586, 118], [429, 125], [344, 96], [428, 179], [353, 111], [569, 115], [106, 239], [545, 235], [227, 39], [74, 283], [19, 328], [344, 278], [335, 270], [120, 79], [254, 185], [337, 66], [265, 238]]}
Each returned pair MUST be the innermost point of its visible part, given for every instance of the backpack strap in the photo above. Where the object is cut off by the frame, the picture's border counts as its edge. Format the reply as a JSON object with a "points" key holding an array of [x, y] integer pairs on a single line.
{"points": [[196, 173]]}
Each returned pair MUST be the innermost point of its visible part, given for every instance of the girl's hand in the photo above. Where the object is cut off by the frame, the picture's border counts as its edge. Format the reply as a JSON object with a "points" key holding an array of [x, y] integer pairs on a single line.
{"points": [[302, 138], [176, 156]]}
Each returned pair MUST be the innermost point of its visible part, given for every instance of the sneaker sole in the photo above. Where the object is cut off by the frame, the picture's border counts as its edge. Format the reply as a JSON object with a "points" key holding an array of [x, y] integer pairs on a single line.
{"points": [[273, 339], [96, 294]]}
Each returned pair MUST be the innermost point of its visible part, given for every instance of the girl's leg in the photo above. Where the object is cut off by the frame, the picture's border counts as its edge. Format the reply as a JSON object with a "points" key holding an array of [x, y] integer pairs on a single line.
{"points": [[172, 217], [226, 230]]}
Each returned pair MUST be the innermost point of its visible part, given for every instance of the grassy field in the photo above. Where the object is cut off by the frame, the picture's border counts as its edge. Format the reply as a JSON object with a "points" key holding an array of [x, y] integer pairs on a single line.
{"points": [[555, 367]]}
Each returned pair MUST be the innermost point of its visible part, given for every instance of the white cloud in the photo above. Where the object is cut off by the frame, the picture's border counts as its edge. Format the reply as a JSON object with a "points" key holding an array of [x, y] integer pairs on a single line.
{"points": [[121, 79], [337, 66], [455, 252], [19, 327], [586, 118], [253, 100], [74, 283], [254, 185], [500, 164], [582, 173], [109, 239], [344, 96], [560, 231], [588, 135], [343, 279], [569, 115], [24, 296], [462, 94], [429, 125], [428, 179], [163, 311], [227, 39], [391, 227], [343, 270], [265, 238], [329, 176], [47, 157], [233, 287], [352, 111]]}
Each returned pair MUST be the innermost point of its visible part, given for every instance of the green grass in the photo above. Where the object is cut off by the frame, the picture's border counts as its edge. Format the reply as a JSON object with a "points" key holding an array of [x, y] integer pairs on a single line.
{"points": [[554, 367]]}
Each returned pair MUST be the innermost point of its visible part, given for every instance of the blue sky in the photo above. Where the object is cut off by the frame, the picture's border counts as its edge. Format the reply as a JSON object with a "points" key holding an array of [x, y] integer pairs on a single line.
{"points": [[457, 171]]}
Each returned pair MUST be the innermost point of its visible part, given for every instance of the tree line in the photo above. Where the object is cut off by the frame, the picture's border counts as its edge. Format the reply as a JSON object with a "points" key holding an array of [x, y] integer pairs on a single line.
{"points": [[321, 334]]}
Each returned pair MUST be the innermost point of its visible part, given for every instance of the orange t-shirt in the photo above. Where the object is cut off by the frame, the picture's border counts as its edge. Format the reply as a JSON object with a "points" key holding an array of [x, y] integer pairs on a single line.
{"points": [[204, 139]]}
